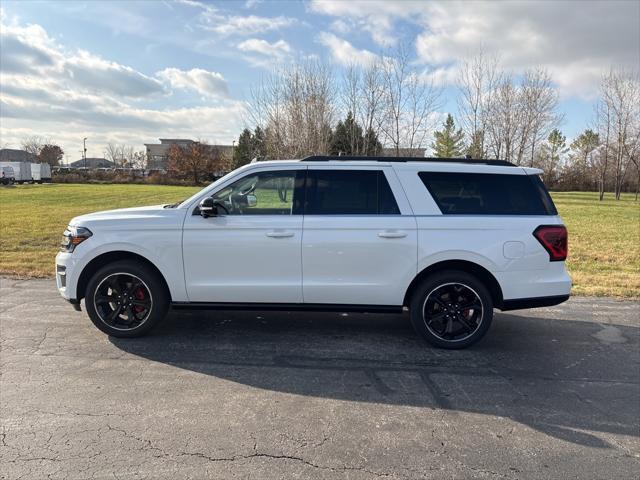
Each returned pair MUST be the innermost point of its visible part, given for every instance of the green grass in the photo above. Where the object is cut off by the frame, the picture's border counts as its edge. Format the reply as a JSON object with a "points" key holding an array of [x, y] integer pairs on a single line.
{"points": [[604, 237], [604, 243], [33, 217]]}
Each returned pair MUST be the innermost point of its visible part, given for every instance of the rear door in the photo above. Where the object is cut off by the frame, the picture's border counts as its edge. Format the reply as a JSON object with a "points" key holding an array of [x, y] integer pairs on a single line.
{"points": [[359, 241]]}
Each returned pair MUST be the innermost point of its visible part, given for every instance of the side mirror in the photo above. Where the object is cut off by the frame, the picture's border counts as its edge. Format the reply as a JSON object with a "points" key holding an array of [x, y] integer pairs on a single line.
{"points": [[252, 200], [208, 208]]}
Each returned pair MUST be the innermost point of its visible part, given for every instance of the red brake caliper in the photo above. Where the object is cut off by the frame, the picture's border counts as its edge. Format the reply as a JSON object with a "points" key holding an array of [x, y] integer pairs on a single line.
{"points": [[139, 294]]}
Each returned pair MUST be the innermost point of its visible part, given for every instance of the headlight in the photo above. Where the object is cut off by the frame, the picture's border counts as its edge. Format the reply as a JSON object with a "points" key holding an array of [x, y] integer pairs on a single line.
{"points": [[74, 236]]}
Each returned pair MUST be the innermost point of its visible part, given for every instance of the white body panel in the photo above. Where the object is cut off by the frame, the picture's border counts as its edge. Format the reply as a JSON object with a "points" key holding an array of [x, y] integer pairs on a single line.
{"points": [[21, 170], [36, 172], [323, 259]]}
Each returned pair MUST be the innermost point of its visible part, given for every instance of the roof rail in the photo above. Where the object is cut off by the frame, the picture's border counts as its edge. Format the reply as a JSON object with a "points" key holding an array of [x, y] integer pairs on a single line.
{"points": [[351, 158]]}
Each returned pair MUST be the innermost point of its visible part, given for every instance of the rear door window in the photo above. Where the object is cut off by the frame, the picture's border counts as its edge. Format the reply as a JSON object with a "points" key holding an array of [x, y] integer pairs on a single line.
{"points": [[349, 192], [488, 194]]}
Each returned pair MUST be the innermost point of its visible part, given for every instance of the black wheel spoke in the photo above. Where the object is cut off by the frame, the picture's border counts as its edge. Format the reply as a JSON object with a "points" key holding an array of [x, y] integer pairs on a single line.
{"points": [[468, 326], [141, 303], [437, 316], [106, 299]]}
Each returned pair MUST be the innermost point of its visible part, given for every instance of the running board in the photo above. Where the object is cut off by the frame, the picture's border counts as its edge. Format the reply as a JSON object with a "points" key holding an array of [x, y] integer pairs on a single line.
{"points": [[300, 307]]}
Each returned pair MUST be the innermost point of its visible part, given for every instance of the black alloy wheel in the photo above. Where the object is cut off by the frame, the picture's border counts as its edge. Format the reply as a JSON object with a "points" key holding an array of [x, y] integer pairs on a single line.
{"points": [[451, 309]]}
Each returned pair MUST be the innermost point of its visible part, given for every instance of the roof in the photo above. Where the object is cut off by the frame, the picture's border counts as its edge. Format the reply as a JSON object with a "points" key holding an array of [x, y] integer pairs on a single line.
{"points": [[16, 155], [92, 163], [344, 158]]}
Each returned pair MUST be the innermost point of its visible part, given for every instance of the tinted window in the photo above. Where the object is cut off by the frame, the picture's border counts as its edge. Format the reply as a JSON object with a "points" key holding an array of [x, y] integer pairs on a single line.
{"points": [[487, 194], [349, 192], [266, 193]]}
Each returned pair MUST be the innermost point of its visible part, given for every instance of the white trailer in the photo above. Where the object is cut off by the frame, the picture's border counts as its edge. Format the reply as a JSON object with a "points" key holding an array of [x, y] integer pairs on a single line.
{"points": [[41, 172], [7, 175], [21, 171]]}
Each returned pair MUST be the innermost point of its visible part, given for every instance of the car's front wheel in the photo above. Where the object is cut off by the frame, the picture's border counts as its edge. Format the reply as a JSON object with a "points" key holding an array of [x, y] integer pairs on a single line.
{"points": [[126, 299], [451, 309]]}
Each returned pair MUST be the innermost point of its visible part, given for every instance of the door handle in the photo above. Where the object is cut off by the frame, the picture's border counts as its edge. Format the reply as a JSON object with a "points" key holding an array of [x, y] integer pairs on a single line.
{"points": [[279, 234], [392, 234]]}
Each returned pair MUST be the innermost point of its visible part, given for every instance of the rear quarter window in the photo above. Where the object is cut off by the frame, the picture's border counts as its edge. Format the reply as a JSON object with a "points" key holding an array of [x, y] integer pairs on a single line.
{"points": [[488, 194]]}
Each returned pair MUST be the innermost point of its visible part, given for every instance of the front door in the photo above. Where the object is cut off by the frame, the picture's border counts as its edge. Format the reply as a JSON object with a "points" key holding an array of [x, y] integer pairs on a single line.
{"points": [[250, 252]]}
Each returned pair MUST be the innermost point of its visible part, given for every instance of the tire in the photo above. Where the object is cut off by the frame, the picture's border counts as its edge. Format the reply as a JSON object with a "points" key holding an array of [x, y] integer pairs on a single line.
{"points": [[126, 299], [451, 309]]}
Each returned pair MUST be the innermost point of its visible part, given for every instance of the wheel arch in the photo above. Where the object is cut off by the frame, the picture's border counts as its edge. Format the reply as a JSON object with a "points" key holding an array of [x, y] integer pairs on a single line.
{"points": [[479, 271], [106, 258]]}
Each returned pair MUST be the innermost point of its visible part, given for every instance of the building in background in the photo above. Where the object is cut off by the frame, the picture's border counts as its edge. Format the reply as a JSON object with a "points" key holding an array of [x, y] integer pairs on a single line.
{"points": [[15, 155], [157, 153], [92, 163]]}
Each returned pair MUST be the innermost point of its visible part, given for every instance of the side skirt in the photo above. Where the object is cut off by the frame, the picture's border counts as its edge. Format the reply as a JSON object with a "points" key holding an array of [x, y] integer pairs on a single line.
{"points": [[302, 307]]}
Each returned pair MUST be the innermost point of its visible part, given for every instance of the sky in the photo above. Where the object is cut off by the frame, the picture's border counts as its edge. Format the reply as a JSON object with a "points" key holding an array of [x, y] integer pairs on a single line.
{"points": [[131, 72]]}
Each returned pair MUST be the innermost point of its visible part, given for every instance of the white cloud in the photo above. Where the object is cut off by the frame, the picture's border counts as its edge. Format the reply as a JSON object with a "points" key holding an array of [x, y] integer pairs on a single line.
{"points": [[96, 74], [576, 42], [374, 17], [244, 25], [28, 50], [206, 83], [66, 95], [277, 49], [344, 52]]}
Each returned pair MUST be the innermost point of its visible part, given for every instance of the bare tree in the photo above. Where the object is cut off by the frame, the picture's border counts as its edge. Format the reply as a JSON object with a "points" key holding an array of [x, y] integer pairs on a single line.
{"points": [[34, 144], [113, 153], [477, 81], [295, 107], [617, 119], [539, 112], [372, 105], [410, 102]]}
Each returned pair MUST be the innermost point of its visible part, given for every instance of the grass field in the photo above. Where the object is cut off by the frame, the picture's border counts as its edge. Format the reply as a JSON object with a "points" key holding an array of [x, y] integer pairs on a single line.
{"points": [[604, 237]]}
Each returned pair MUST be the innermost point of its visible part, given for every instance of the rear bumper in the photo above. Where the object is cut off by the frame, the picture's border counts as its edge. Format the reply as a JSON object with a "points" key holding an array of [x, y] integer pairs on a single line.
{"points": [[533, 302]]}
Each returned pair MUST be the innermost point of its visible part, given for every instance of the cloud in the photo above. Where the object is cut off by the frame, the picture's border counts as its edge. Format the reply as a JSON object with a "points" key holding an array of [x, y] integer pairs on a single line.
{"points": [[277, 49], [374, 17], [67, 94], [28, 50], [576, 43], [206, 83], [344, 52], [244, 25], [96, 74]]}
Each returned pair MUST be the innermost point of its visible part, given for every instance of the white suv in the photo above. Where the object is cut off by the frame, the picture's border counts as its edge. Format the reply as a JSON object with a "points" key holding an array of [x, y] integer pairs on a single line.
{"points": [[448, 239]]}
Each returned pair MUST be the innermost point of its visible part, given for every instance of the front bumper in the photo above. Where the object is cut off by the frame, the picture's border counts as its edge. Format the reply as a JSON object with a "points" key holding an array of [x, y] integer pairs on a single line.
{"points": [[67, 276]]}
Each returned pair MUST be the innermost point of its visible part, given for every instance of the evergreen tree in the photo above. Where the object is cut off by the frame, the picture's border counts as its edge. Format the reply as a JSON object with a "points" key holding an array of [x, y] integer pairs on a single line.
{"points": [[585, 143], [259, 145], [476, 149], [448, 143], [372, 145], [347, 138], [340, 144], [243, 150], [557, 145]]}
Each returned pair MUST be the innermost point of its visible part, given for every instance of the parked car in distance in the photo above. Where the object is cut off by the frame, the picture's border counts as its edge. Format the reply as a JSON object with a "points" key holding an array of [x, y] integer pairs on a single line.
{"points": [[41, 172], [449, 240], [21, 171]]}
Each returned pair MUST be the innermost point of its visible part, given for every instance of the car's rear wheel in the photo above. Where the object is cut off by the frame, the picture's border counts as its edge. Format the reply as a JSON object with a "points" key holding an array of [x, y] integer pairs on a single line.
{"points": [[451, 309], [126, 299]]}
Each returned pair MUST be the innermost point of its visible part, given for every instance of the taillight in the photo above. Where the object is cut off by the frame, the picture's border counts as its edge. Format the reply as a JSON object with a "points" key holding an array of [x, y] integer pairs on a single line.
{"points": [[554, 240]]}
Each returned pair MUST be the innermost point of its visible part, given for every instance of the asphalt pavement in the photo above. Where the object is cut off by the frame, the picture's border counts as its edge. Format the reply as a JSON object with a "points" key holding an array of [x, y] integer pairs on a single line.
{"points": [[549, 393]]}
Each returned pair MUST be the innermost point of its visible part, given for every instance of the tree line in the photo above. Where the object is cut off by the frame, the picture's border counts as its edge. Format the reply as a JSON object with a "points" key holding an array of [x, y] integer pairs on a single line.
{"points": [[390, 107]]}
